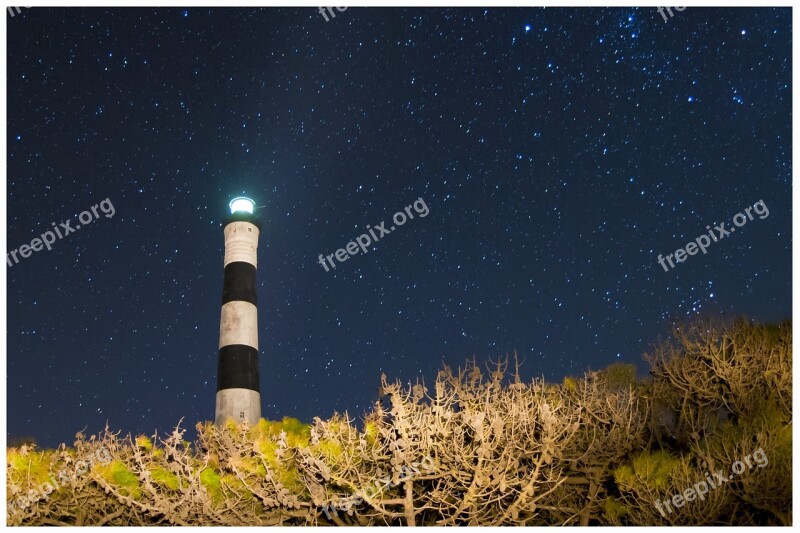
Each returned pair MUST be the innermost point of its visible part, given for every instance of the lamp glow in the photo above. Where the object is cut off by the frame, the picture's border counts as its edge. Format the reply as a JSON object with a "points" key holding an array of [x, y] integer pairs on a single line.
{"points": [[242, 205]]}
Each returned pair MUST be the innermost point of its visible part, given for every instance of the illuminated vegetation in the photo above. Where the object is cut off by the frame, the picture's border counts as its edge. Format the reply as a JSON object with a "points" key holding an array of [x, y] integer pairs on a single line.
{"points": [[476, 448]]}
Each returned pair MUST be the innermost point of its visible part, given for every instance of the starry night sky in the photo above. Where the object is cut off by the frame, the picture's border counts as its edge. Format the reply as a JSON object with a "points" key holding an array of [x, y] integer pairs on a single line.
{"points": [[558, 150]]}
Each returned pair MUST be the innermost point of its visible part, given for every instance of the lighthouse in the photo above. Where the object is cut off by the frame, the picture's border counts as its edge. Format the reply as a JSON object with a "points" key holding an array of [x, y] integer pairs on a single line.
{"points": [[238, 392]]}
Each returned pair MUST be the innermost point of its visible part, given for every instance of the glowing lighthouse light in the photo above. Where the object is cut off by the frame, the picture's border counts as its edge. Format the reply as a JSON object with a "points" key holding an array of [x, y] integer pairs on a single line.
{"points": [[242, 205]]}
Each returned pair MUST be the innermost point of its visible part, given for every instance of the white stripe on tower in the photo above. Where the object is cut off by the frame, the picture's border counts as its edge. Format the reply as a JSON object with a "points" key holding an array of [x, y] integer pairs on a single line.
{"points": [[241, 242], [238, 392], [239, 324]]}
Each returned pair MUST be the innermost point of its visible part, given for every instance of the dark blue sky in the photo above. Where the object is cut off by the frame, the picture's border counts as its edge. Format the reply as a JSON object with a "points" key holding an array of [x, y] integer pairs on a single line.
{"points": [[559, 151]]}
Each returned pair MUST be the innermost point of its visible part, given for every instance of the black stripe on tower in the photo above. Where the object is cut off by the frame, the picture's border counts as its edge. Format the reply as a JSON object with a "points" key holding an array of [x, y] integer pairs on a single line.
{"points": [[238, 368], [239, 283]]}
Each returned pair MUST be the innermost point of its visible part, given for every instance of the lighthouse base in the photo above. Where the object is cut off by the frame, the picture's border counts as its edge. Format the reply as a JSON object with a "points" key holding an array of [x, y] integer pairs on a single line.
{"points": [[239, 405]]}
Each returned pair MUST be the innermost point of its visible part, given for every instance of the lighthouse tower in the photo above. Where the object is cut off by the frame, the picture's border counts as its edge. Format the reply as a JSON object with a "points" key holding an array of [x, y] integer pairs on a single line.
{"points": [[238, 393]]}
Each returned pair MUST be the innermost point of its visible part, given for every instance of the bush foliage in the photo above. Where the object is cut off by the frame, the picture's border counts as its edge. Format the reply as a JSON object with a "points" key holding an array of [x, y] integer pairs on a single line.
{"points": [[479, 447]]}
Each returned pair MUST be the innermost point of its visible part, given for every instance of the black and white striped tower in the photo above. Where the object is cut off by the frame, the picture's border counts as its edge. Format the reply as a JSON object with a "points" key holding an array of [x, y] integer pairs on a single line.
{"points": [[238, 393]]}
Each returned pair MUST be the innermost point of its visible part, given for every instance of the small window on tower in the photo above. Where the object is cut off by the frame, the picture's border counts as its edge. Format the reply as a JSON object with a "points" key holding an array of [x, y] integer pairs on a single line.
{"points": [[241, 415]]}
